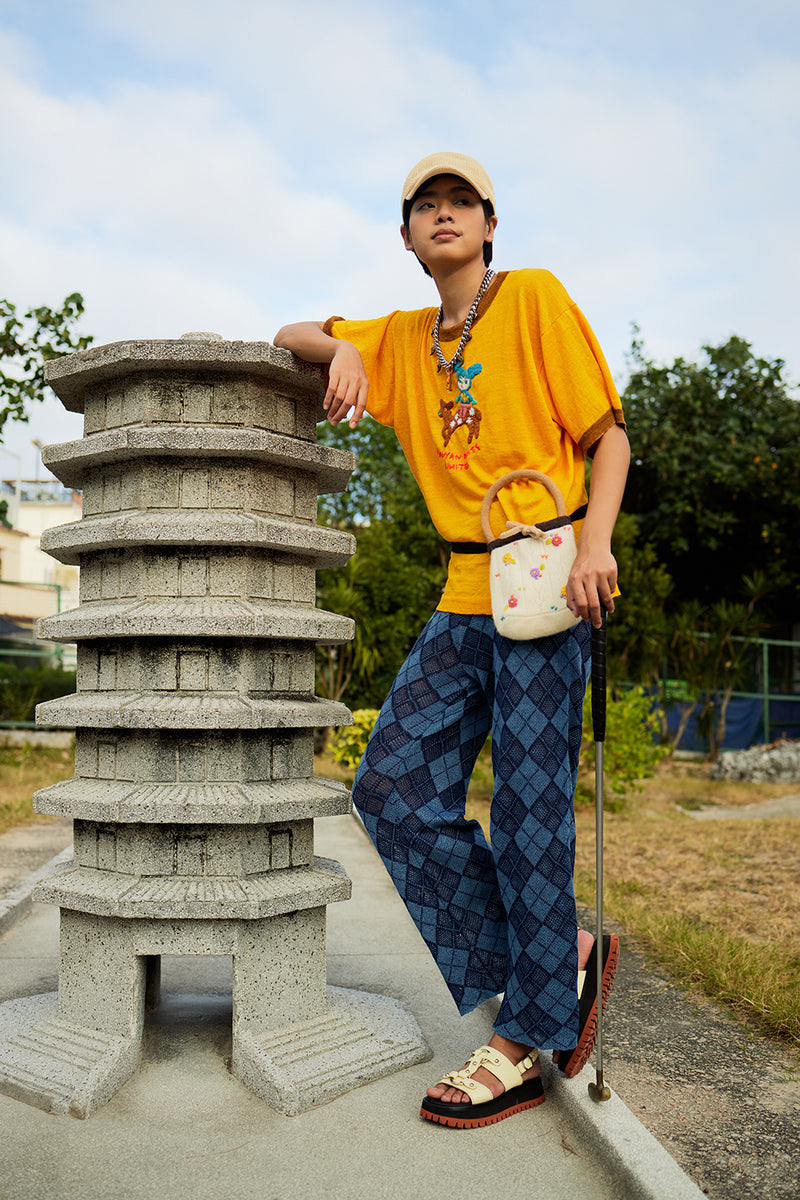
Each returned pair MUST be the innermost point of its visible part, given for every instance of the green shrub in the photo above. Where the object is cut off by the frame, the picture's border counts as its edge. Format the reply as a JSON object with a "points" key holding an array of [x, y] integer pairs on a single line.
{"points": [[350, 741], [22, 688], [631, 752]]}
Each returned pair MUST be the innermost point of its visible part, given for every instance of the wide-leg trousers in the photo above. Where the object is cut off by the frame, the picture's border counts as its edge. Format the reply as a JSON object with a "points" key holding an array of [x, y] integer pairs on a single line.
{"points": [[500, 917]]}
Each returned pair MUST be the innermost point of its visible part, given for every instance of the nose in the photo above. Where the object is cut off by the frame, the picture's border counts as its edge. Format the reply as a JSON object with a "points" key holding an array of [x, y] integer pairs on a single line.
{"points": [[444, 213]]}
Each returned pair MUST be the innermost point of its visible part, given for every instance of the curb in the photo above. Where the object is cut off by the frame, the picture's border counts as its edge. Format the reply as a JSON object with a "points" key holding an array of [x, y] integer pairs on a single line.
{"points": [[627, 1151], [17, 903]]}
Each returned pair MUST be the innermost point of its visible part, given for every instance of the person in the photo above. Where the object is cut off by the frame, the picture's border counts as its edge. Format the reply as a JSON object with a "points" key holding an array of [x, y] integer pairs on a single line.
{"points": [[532, 390]]}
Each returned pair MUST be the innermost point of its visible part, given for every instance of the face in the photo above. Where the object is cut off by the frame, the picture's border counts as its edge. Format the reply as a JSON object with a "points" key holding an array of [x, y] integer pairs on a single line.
{"points": [[447, 225]]}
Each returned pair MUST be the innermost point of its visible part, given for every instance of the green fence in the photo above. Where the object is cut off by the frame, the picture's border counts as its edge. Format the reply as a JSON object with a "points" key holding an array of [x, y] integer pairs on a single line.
{"points": [[765, 700]]}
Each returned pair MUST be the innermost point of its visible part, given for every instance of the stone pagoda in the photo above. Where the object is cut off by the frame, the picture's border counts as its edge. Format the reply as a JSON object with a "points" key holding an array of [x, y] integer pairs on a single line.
{"points": [[194, 795]]}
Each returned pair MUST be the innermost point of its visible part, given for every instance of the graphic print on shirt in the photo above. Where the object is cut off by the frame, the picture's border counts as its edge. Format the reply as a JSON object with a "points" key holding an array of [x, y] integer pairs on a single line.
{"points": [[464, 413]]}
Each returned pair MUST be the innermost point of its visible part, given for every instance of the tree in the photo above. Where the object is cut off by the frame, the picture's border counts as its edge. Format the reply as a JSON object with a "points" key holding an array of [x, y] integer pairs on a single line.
{"points": [[28, 342], [395, 578], [382, 487], [638, 632], [713, 479]]}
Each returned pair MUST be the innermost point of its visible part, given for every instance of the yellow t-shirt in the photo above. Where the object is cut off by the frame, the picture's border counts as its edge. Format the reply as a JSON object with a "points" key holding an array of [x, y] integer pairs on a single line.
{"points": [[539, 393]]}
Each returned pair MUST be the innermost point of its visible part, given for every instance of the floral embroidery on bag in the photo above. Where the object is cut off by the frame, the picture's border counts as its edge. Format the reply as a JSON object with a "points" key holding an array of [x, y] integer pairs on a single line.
{"points": [[509, 560], [512, 602]]}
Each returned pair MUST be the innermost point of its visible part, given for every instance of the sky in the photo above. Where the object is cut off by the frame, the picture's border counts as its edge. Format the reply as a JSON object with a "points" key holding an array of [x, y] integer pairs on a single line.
{"points": [[230, 167]]}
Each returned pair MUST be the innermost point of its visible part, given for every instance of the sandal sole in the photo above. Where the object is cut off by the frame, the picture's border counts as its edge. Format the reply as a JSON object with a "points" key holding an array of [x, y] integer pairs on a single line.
{"points": [[579, 1057]]}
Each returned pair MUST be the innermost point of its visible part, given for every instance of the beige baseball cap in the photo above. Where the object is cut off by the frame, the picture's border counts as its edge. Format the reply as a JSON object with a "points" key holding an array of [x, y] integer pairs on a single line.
{"points": [[448, 163]]}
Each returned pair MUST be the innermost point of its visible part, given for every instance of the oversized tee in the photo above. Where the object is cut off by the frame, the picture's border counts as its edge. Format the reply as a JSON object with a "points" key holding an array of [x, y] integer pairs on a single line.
{"points": [[536, 392]]}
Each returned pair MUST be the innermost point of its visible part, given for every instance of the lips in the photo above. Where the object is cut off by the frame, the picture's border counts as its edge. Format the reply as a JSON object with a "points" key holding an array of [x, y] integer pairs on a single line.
{"points": [[444, 235]]}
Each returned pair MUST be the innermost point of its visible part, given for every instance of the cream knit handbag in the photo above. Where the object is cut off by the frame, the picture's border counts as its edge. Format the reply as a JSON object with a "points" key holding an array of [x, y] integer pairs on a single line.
{"points": [[529, 566]]}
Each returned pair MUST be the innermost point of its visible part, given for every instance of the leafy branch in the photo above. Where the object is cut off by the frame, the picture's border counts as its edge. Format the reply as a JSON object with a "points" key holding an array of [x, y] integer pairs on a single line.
{"points": [[29, 341]]}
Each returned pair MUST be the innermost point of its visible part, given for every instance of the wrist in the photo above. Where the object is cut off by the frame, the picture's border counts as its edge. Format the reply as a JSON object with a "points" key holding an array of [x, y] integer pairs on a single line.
{"points": [[594, 537]]}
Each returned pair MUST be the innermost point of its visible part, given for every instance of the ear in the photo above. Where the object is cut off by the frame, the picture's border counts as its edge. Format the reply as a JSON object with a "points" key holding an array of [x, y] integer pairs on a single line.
{"points": [[406, 236], [491, 225]]}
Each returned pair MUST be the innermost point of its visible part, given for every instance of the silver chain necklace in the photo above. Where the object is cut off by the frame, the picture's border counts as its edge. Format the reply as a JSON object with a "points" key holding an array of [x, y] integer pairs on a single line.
{"points": [[450, 364]]}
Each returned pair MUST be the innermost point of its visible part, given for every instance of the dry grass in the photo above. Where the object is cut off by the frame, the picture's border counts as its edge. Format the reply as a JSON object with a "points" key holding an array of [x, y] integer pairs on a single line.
{"points": [[715, 901], [23, 771], [740, 874]]}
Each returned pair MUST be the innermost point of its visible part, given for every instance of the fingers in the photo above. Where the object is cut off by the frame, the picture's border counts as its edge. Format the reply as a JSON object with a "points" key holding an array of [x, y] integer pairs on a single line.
{"points": [[338, 403], [342, 407], [590, 608], [360, 406], [347, 389], [590, 593]]}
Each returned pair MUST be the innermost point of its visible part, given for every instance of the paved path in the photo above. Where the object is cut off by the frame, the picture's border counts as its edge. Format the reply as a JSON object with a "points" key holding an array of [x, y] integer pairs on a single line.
{"points": [[784, 806], [24, 854], [183, 1126]]}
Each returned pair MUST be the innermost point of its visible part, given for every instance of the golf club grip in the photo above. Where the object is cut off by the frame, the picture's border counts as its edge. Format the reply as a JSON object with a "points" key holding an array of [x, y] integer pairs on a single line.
{"points": [[599, 682]]}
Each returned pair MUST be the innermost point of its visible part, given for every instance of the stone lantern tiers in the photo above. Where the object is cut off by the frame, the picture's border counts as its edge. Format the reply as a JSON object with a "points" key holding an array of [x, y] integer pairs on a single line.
{"points": [[194, 795]]}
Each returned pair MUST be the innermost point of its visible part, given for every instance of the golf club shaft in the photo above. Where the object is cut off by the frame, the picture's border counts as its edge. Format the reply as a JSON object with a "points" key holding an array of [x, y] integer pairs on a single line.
{"points": [[599, 731]]}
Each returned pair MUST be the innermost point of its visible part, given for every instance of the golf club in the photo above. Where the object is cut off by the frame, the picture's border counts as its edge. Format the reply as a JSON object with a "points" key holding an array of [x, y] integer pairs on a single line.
{"points": [[599, 1090]]}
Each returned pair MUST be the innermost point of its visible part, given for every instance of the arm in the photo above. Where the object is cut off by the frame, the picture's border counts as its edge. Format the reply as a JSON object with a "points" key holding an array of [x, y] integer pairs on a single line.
{"points": [[347, 380], [594, 573]]}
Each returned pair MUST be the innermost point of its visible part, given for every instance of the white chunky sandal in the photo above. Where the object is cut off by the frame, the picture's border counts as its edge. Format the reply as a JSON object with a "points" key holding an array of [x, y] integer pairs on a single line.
{"points": [[483, 1108]]}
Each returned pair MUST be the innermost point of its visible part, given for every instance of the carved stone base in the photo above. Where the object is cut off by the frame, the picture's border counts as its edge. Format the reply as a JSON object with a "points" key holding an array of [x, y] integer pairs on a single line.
{"points": [[360, 1038], [56, 1065]]}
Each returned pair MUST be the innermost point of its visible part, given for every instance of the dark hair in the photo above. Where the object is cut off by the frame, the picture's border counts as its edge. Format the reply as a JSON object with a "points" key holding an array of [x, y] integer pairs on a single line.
{"points": [[488, 211]]}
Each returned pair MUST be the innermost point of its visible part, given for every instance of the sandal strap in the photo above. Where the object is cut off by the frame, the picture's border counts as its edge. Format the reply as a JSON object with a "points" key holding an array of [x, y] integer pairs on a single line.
{"points": [[497, 1064]]}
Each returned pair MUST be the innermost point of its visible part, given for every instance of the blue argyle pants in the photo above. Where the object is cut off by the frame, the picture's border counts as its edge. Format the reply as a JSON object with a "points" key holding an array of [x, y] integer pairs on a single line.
{"points": [[497, 918]]}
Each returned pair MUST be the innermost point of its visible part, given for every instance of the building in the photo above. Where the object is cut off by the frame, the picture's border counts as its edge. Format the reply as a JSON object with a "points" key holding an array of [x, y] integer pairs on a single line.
{"points": [[32, 584]]}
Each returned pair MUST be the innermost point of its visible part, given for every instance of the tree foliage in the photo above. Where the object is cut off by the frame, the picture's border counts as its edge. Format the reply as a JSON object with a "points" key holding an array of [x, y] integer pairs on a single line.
{"points": [[639, 629], [395, 578], [26, 344], [713, 479]]}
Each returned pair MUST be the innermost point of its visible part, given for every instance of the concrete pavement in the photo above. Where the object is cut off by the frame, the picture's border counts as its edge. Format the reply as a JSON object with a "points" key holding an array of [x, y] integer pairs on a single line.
{"points": [[183, 1126]]}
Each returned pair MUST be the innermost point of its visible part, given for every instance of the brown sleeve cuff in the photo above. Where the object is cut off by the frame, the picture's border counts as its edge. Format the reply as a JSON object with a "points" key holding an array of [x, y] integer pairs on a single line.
{"points": [[329, 324], [613, 416]]}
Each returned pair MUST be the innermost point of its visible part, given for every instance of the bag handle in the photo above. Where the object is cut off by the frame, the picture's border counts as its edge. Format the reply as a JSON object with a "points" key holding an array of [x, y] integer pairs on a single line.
{"points": [[486, 527]]}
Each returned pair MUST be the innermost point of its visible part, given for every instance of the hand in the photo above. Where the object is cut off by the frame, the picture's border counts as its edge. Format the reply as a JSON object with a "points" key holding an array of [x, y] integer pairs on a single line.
{"points": [[347, 386], [591, 582]]}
